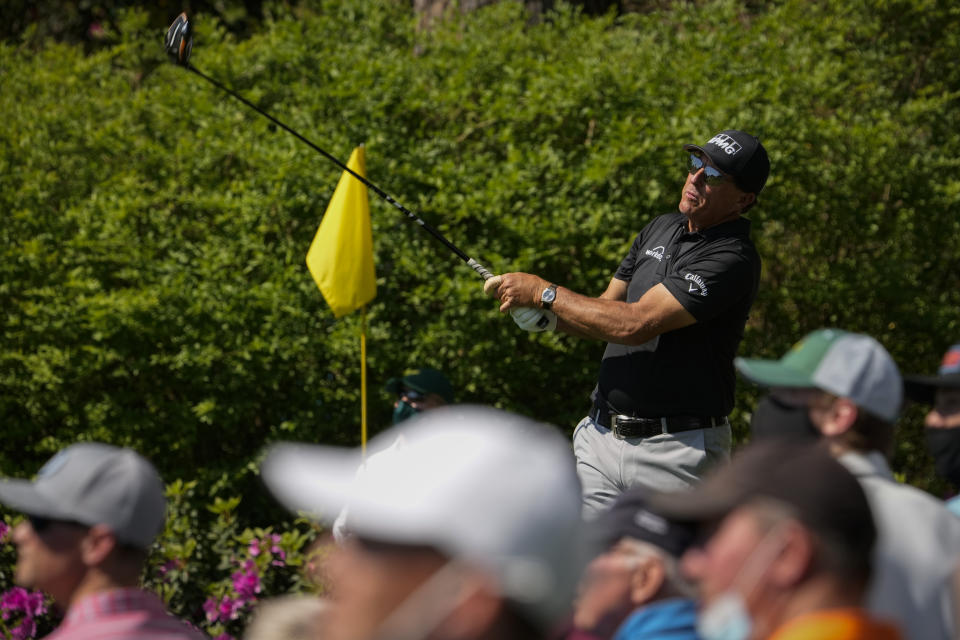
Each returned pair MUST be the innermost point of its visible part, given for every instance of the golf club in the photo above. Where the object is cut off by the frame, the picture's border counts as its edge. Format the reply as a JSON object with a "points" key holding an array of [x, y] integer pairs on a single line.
{"points": [[179, 44]]}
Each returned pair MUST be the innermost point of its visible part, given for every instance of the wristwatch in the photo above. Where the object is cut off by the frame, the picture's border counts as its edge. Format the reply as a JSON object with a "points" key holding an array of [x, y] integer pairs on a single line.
{"points": [[548, 296]]}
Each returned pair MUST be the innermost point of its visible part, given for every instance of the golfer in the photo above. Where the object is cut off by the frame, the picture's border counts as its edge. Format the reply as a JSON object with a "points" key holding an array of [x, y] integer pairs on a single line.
{"points": [[673, 317]]}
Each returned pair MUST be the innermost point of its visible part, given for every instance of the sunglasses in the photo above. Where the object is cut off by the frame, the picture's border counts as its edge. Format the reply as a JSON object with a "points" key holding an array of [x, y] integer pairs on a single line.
{"points": [[412, 395], [39, 524], [712, 174]]}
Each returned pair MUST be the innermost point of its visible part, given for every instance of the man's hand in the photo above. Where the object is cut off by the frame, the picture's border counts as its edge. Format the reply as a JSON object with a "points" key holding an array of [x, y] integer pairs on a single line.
{"points": [[516, 290], [534, 320], [491, 285]]}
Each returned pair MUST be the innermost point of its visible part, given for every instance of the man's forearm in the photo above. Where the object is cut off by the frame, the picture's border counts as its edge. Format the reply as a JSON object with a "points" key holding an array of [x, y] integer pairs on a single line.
{"points": [[601, 319], [616, 290], [606, 318]]}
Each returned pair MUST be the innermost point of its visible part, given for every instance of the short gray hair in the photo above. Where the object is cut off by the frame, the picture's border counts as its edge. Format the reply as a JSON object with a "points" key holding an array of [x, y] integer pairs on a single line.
{"points": [[675, 581]]}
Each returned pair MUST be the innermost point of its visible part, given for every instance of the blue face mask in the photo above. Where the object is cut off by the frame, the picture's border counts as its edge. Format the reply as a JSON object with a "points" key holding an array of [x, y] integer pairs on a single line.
{"points": [[403, 411], [726, 618]]}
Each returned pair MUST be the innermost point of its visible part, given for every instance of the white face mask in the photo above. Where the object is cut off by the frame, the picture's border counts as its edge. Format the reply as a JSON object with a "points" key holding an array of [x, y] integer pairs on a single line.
{"points": [[727, 617]]}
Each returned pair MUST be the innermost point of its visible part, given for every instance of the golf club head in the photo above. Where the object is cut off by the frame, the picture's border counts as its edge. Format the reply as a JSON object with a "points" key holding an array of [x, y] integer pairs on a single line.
{"points": [[179, 40]]}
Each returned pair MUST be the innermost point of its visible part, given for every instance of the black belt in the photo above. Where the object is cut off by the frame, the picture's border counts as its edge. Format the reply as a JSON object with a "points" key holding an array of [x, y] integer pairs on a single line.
{"points": [[630, 427]]}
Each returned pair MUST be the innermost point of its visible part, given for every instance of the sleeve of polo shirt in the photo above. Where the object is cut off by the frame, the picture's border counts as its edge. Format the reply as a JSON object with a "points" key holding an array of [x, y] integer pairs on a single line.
{"points": [[629, 264], [712, 283]]}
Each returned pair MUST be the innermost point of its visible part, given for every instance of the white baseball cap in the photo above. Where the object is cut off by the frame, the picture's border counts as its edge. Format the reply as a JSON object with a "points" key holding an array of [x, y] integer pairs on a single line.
{"points": [[93, 483], [480, 485]]}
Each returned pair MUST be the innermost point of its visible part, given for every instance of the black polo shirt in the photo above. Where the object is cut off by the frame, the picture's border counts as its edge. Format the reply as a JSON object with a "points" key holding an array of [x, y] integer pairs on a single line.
{"points": [[714, 274]]}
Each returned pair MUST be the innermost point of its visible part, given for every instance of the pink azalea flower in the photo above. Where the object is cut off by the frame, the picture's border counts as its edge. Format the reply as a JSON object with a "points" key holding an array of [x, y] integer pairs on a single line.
{"points": [[25, 630], [229, 608], [20, 601], [210, 609], [247, 582]]}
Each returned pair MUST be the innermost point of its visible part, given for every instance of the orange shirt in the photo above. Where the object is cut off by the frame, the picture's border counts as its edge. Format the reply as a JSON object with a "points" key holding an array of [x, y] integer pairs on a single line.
{"points": [[836, 624]]}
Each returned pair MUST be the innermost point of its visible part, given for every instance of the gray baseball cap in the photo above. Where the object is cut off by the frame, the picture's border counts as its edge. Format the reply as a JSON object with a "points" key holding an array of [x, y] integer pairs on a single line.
{"points": [[92, 483], [848, 365]]}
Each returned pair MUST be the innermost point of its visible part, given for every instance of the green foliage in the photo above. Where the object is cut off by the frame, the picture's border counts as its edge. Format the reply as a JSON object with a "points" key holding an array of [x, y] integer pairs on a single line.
{"points": [[152, 277], [211, 571]]}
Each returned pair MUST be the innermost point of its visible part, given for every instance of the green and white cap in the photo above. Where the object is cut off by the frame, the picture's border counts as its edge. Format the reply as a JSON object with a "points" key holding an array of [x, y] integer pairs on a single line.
{"points": [[848, 365]]}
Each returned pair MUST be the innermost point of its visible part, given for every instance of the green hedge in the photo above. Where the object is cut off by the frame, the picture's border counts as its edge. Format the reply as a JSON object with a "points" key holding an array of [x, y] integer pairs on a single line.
{"points": [[152, 278]]}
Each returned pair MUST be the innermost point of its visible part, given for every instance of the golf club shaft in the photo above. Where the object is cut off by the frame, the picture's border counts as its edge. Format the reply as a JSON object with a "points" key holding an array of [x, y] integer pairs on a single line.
{"points": [[476, 266]]}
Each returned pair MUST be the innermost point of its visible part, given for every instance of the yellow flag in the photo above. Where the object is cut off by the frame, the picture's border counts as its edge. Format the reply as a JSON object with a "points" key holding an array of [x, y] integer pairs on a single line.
{"points": [[340, 258]]}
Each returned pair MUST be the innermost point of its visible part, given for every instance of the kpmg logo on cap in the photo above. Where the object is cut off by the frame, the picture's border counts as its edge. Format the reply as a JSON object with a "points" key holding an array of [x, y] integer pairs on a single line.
{"points": [[725, 142]]}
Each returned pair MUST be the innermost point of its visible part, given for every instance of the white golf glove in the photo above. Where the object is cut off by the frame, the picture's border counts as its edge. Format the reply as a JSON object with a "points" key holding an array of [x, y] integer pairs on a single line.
{"points": [[534, 320]]}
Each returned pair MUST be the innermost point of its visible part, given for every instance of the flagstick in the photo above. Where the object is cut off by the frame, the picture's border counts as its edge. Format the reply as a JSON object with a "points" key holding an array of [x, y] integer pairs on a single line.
{"points": [[363, 380]]}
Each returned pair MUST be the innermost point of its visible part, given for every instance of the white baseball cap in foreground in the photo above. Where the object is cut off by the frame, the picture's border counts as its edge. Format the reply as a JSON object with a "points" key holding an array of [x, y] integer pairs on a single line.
{"points": [[480, 485]]}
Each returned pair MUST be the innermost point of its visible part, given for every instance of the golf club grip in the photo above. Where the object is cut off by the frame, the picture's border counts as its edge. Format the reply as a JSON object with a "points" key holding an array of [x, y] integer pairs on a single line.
{"points": [[476, 266], [479, 268]]}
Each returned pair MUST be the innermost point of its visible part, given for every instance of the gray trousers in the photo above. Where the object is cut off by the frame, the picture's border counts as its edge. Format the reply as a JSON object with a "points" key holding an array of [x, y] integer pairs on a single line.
{"points": [[607, 465]]}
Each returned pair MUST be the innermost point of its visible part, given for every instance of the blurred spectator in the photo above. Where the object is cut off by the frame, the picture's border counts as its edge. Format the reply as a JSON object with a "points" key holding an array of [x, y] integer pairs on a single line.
{"points": [[942, 423], [787, 537], [289, 618], [634, 588], [469, 530], [418, 390], [847, 389], [92, 514]]}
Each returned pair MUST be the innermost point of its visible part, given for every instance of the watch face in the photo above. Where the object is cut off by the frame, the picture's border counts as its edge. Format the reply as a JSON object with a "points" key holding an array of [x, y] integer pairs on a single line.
{"points": [[549, 294]]}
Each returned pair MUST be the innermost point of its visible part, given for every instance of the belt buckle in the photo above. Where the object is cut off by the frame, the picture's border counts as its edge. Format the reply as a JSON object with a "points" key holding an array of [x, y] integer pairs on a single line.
{"points": [[615, 426]]}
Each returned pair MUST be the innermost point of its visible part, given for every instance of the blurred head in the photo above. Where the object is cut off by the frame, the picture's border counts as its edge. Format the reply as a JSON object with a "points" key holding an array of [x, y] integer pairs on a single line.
{"points": [[49, 556], [452, 534], [637, 563], [418, 390], [942, 422], [93, 509], [724, 177], [783, 527], [844, 386]]}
